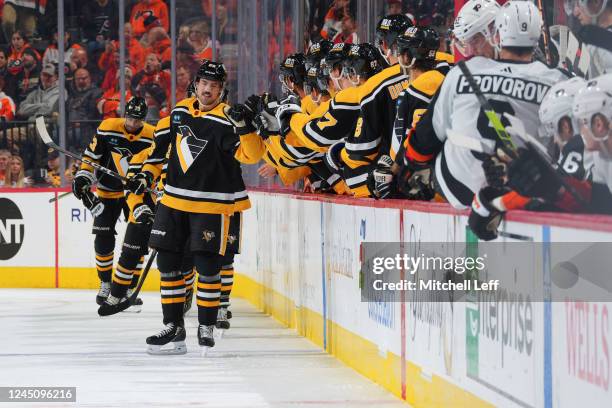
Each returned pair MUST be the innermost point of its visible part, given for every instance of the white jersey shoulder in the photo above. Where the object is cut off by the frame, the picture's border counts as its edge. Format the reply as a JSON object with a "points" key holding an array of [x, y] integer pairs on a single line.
{"points": [[602, 170]]}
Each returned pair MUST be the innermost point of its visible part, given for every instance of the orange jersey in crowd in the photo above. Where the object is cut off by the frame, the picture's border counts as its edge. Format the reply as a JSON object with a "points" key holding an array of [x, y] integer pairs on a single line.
{"points": [[147, 8], [7, 107], [110, 101]]}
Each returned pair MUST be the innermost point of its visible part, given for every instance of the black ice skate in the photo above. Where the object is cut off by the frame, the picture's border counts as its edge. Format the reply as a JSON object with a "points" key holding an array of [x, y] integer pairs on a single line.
{"points": [[205, 338], [171, 340], [103, 293], [222, 320]]}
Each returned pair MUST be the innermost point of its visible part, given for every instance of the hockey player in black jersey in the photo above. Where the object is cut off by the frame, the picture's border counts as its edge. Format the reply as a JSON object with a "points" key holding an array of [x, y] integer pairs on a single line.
{"points": [[417, 48], [115, 142], [205, 137]]}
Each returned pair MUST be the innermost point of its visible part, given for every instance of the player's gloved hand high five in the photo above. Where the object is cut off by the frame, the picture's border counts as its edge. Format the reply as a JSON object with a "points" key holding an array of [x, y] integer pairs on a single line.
{"points": [[241, 117], [140, 182], [486, 214], [380, 179], [333, 160], [495, 171], [82, 182], [288, 107], [143, 214], [265, 121]]}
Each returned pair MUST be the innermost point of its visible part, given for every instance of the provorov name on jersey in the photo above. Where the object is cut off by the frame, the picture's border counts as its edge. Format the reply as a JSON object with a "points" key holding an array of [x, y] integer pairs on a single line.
{"points": [[516, 88]]}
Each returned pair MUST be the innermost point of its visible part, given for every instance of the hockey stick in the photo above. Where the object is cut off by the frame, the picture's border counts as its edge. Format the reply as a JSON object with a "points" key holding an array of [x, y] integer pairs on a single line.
{"points": [[59, 197], [41, 128], [545, 34], [121, 306]]}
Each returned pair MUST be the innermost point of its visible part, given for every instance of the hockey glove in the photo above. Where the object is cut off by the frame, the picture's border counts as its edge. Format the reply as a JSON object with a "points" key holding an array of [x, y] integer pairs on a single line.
{"points": [[139, 183], [495, 171], [254, 104], [285, 111], [380, 179], [333, 160], [531, 176], [241, 118], [485, 216], [92, 203], [82, 183], [143, 214], [265, 125], [414, 181]]}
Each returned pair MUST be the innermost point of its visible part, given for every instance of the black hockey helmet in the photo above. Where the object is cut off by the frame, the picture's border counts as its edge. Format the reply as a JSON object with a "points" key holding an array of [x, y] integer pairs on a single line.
{"points": [[315, 80], [136, 108], [389, 28], [363, 61], [336, 56], [420, 43], [294, 68], [317, 52], [211, 70]]}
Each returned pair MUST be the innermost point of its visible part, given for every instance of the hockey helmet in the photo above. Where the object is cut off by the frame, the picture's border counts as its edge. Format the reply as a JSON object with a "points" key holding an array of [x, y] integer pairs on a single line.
{"points": [[387, 30], [136, 108], [293, 68], [317, 51], [475, 17], [519, 24], [418, 44], [592, 108], [363, 61], [556, 109], [212, 70]]}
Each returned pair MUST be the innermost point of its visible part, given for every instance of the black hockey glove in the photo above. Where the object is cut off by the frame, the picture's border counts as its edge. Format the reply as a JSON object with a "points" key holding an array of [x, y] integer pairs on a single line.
{"points": [[485, 217], [143, 214], [380, 179], [333, 161], [288, 107], [82, 183], [495, 171], [241, 118], [532, 176], [254, 104], [92, 203], [139, 183], [414, 181], [265, 125]]}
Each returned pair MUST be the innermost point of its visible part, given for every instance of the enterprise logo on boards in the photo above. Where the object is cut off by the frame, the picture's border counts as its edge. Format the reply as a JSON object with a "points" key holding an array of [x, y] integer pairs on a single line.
{"points": [[12, 229]]}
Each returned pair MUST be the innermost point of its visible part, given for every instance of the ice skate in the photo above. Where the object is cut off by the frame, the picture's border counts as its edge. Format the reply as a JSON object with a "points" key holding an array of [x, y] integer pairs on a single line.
{"points": [[169, 341], [222, 321], [136, 306], [206, 338], [103, 293]]}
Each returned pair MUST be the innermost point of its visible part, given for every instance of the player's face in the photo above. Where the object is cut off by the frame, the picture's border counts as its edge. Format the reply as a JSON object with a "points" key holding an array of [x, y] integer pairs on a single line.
{"points": [[565, 130], [478, 45], [600, 126], [132, 124], [208, 91]]}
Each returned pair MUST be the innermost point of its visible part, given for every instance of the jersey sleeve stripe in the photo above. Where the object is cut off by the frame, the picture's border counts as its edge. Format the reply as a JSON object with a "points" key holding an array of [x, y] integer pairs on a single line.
{"points": [[110, 133], [362, 146], [317, 138], [217, 119], [419, 95], [345, 106]]}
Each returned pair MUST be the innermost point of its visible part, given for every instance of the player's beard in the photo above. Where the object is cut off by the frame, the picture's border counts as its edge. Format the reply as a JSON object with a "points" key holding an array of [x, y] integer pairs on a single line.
{"points": [[209, 103]]}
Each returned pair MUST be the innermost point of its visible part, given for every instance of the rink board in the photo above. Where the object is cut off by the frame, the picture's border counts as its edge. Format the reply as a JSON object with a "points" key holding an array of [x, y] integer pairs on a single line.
{"points": [[300, 263]]}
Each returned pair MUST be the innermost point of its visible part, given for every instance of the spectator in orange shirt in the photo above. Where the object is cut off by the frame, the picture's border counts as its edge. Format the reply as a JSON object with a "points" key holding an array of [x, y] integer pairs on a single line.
{"points": [[183, 79], [151, 74], [19, 48], [199, 38], [109, 104], [160, 44], [332, 23], [135, 50], [7, 106], [348, 34], [146, 8]]}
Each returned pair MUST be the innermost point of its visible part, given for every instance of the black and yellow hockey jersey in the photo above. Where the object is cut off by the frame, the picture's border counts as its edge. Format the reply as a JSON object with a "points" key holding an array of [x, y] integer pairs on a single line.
{"points": [[203, 172], [308, 105], [318, 132], [412, 104], [374, 126], [112, 146]]}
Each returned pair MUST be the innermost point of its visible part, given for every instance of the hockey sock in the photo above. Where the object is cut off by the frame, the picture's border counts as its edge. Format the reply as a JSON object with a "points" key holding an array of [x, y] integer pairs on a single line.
{"points": [[227, 281], [172, 287], [209, 287], [104, 266], [137, 273], [189, 279], [127, 273]]}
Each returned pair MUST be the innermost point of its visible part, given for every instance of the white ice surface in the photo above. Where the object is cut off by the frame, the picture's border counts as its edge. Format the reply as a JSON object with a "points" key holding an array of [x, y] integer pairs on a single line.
{"points": [[55, 338]]}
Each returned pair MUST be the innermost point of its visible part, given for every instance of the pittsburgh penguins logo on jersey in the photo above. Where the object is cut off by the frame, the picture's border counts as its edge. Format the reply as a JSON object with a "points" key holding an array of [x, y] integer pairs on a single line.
{"points": [[121, 158], [188, 146]]}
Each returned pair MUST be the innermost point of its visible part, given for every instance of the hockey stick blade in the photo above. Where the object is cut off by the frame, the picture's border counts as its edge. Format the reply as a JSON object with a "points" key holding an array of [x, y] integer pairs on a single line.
{"points": [[494, 119], [109, 310], [469, 143]]}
